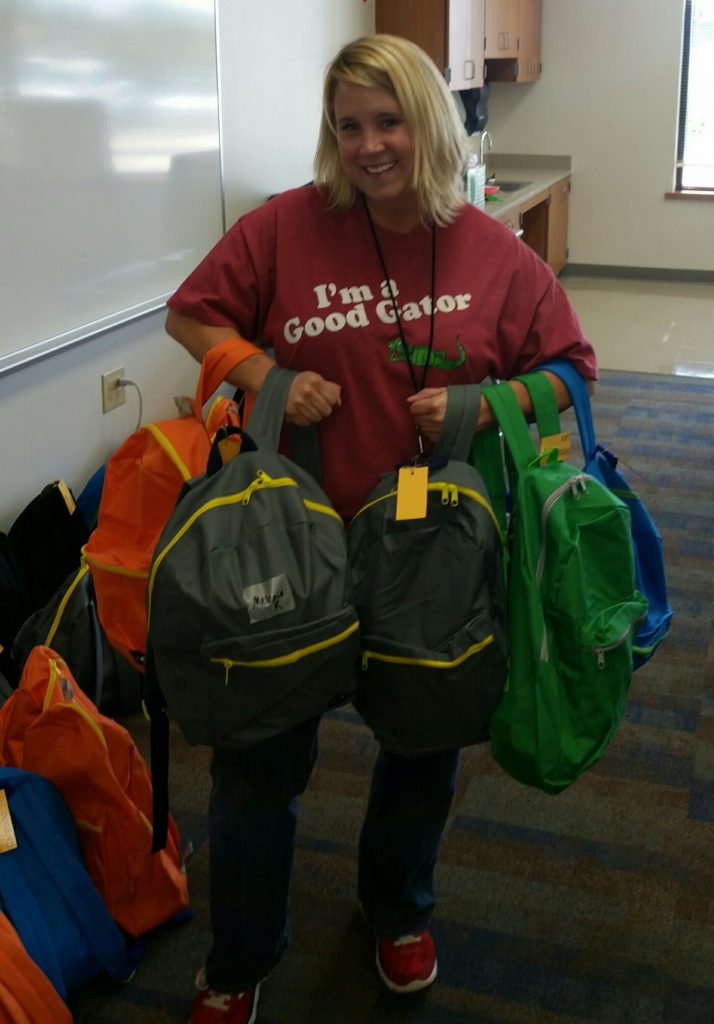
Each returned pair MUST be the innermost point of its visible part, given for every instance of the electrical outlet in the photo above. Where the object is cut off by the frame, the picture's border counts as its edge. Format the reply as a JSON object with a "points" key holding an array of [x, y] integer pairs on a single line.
{"points": [[113, 393]]}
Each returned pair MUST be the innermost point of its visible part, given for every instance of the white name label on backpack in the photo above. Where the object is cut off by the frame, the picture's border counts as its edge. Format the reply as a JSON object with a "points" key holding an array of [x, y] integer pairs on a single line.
{"points": [[7, 832], [272, 597]]}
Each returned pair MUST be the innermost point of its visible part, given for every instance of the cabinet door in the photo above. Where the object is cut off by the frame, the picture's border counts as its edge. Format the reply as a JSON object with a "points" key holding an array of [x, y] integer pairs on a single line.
{"points": [[465, 43], [501, 28], [530, 35], [558, 225], [450, 31], [425, 22], [523, 64]]}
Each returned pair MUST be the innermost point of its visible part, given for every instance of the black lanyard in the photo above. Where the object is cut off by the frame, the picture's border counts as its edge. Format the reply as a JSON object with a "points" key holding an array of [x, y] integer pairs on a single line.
{"points": [[417, 387]]}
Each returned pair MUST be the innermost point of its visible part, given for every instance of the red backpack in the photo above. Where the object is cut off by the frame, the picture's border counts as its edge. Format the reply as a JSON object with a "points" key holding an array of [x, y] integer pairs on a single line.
{"points": [[142, 481], [48, 726]]}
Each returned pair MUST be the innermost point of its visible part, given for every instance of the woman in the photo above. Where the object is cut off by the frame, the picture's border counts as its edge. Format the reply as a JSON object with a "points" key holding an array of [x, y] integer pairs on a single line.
{"points": [[381, 287]]}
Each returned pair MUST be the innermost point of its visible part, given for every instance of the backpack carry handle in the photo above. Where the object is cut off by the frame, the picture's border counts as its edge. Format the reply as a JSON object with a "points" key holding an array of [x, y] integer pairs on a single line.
{"points": [[545, 407], [266, 417], [457, 432], [581, 402], [217, 363], [513, 424]]}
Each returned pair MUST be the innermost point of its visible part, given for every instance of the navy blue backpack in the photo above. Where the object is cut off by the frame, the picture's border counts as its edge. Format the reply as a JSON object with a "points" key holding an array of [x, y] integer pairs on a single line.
{"points": [[646, 539], [46, 892]]}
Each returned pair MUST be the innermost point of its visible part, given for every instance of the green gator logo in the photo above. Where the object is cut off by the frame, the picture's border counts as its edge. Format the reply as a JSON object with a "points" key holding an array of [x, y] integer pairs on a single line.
{"points": [[418, 353]]}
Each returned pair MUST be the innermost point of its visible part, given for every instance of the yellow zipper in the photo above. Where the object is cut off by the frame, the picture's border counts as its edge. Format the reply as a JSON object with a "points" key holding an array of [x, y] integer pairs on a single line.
{"points": [[63, 604], [58, 667], [118, 570], [287, 659], [449, 496], [397, 659], [168, 447], [261, 481]]}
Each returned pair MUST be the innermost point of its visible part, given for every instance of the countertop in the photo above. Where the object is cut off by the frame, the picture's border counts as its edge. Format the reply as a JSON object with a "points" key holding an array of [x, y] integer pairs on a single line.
{"points": [[537, 173]]}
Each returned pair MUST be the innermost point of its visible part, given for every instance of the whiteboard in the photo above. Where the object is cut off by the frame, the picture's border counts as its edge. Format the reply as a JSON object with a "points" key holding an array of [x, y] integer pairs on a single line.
{"points": [[110, 170]]}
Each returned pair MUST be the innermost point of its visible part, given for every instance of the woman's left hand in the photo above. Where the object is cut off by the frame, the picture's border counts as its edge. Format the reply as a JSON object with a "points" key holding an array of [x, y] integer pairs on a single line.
{"points": [[428, 408]]}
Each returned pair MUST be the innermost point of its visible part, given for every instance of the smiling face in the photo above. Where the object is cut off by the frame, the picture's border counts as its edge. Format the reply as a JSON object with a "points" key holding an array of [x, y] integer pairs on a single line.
{"points": [[376, 151]]}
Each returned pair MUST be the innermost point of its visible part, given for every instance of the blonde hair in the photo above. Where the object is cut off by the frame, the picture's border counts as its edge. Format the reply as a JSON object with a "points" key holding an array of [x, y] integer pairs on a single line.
{"points": [[401, 68]]}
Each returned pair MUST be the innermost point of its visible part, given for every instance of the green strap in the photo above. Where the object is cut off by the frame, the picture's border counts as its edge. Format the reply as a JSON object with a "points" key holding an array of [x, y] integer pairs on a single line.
{"points": [[545, 407], [513, 424]]}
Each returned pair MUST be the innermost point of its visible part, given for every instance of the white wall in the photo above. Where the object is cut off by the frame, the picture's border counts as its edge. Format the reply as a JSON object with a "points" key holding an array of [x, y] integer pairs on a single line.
{"points": [[608, 97], [272, 58]]}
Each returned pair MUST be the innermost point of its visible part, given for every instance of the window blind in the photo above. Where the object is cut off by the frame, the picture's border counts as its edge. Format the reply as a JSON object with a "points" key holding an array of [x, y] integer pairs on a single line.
{"points": [[695, 143]]}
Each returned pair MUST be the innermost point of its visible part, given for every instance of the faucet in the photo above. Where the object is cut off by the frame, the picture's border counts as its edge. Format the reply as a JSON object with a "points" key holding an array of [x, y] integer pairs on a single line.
{"points": [[484, 136]]}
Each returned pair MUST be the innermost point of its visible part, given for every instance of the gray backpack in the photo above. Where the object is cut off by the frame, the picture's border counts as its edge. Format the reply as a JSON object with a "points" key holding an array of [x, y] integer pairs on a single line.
{"points": [[69, 624], [430, 597], [251, 626]]}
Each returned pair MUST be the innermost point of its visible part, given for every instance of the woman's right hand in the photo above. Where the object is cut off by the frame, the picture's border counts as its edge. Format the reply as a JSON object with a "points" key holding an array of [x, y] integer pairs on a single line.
{"points": [[311, 398]]}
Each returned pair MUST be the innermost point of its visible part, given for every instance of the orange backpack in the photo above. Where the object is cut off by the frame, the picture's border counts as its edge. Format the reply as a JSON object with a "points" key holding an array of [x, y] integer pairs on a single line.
{"points": [[50, 727], [141, 484], [26, 995]]}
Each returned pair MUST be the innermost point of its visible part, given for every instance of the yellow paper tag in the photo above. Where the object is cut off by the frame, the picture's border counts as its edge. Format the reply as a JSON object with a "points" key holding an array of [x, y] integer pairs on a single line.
{"points": [[229, 447], [412, 492], [7, 832], [559, 441], [67, 495]]}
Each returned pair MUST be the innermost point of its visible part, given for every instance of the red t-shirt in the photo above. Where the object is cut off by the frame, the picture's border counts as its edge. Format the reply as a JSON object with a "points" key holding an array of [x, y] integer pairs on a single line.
{"points": [[307, 282]]}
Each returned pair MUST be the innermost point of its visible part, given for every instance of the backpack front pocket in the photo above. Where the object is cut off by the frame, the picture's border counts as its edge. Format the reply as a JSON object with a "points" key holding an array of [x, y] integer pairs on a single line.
{"points": [[279, 677], [419, 701]]}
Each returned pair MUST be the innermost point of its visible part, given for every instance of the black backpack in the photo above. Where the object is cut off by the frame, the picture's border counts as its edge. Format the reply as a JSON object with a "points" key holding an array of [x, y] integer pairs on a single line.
{"points": [[430, 597], [47, 539], [15, 606]]}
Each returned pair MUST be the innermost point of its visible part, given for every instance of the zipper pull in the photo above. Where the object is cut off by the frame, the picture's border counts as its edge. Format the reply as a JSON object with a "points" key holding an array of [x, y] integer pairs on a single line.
{"points": [[226, 665], [365, 660], [259, 481], [454, 496], [579, 484], [445, 494], [600, 657]]}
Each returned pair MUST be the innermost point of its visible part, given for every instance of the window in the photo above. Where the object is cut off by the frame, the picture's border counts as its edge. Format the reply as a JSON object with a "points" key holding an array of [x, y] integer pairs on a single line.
{"points": [[695, 139]]}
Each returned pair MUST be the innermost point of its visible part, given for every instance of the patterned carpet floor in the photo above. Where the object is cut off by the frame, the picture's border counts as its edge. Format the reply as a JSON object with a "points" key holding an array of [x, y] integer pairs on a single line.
{"points": [[592, 907]]}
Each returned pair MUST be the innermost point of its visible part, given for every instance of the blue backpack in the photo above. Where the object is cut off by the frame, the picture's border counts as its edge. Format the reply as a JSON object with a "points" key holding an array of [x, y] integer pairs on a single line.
{"points": [[46, 892], [646, 539]]}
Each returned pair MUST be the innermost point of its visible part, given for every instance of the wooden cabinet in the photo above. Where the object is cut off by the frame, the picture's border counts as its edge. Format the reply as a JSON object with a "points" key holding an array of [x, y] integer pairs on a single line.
{"points": [[557, 246], [513, 40], [450, 31], [501, 28], [542, 222]]}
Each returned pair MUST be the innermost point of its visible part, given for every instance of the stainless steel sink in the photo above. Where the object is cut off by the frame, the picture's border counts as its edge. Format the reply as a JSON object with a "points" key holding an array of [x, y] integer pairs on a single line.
{"points": [[511, 186]]}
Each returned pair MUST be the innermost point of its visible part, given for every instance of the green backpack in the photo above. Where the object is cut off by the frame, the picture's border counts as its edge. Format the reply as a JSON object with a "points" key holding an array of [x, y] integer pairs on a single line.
{"points": [[430, 596], [573, 610]]}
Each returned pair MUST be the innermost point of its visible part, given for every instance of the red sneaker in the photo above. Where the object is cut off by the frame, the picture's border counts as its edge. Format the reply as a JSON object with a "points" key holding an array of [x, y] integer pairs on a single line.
{"points": [[211, 1007], [408, 963]]}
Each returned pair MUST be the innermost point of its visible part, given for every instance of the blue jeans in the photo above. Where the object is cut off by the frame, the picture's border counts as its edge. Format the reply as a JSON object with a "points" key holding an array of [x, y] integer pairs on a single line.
{"points": [[252, 826]]}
